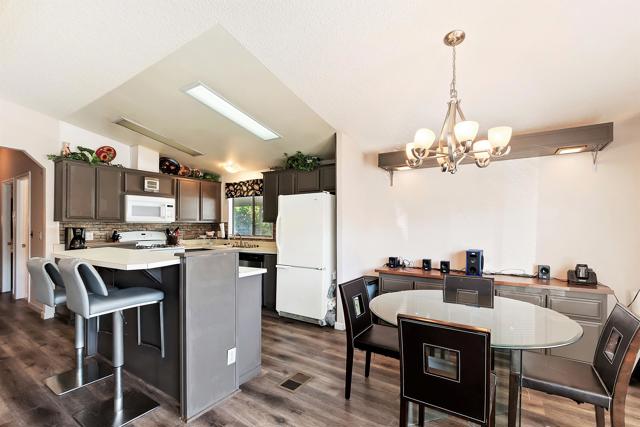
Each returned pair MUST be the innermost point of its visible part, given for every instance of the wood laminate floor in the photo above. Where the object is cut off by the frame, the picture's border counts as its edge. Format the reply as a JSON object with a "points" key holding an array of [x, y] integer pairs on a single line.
{"points": [[32, 349]]}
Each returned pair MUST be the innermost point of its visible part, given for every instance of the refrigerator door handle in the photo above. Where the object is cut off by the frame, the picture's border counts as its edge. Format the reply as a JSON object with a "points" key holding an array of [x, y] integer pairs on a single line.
{"points": [[278, 247]]}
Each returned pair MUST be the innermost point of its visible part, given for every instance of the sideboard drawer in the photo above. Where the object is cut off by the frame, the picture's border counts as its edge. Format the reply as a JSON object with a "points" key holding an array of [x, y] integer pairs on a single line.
{"points": [[579, 307], [395, 284]]}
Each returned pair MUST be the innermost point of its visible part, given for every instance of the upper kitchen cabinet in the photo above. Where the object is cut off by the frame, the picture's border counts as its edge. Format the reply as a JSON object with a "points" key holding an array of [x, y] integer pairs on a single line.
{"points": [[285, 182], [328, 178], [270, 197], [210, 201], [108, 194], [307, 182], [188, 200], [75, 191], [134, 184]]}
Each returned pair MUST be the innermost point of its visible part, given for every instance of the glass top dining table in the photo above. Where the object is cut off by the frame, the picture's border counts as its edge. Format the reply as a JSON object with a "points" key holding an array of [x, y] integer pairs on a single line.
{"points": [[515, 326]]}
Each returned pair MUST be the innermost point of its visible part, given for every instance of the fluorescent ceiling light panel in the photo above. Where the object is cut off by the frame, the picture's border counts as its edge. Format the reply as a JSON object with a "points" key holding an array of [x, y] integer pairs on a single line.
{"points": [[138, 128], [571, 150], [217, 103]]}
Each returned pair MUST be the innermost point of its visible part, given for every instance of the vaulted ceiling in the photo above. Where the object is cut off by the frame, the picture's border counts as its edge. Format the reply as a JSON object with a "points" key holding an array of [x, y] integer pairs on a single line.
{"points": [[375, 69]]}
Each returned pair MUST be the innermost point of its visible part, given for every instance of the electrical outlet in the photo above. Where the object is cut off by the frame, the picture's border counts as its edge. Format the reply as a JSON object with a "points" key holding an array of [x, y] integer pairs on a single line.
{"points": [[231, 356]]}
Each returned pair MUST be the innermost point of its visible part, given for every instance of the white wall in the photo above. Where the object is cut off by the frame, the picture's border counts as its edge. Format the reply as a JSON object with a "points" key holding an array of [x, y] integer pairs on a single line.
{"points": [[553, 210], [77, 136]]}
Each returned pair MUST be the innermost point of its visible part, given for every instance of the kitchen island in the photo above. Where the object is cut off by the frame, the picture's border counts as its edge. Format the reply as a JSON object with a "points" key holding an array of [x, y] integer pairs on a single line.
{"points": [[211, 321]]}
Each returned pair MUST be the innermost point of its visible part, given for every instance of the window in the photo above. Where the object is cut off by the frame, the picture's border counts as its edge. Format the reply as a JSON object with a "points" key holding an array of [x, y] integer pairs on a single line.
{"points": [[246, 217]]}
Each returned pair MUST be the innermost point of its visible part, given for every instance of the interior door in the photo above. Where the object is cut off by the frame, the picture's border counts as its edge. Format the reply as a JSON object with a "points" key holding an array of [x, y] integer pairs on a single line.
{"points": [[7, 236], [22, 216]]}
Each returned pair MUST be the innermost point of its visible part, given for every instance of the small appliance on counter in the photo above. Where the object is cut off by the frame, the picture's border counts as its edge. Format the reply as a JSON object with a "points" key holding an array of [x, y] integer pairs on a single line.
{"points": [[582, 275], [475, 262], [74, 238], [115, 236], [426, 264]]}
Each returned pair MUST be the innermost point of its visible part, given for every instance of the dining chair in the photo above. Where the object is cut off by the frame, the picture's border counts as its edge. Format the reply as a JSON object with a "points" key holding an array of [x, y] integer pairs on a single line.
{"points": [[477, 291], [362, 333], [447, 367], [602, 383]]}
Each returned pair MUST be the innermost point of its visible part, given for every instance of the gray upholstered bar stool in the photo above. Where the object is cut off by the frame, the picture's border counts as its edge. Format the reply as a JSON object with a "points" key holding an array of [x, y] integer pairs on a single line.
{"points": [[88, 296], [47, 287]]}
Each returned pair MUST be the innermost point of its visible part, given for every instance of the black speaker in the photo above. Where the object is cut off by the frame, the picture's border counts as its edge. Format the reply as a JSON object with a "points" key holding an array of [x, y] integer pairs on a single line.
{"points": [[426, 264], [475, 262], [445, 267], [394, 262], [544, 272]]}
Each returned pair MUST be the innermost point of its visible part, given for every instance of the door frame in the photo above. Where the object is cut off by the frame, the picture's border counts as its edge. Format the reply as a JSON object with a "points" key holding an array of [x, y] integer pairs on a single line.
{"points": [[21, 289], [6, 193]]}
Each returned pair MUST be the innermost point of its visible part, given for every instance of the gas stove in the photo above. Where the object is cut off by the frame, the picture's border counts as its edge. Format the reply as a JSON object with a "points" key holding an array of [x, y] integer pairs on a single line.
{"points": [[149, 240]]}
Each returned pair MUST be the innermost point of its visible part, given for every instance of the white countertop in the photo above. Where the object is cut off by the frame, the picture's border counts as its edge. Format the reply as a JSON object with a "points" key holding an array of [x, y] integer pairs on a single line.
{"points": [[250, 271], [120, 258], [263, 247]]}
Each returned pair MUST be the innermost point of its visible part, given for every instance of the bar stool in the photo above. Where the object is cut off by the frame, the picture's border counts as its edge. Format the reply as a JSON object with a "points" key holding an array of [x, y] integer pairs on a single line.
{"points": [[47, 287], [88, 296]]}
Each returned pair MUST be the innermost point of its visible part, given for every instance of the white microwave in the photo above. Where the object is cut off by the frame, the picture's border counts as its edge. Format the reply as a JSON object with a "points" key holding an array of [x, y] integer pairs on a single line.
{"points": [[149, 209]]}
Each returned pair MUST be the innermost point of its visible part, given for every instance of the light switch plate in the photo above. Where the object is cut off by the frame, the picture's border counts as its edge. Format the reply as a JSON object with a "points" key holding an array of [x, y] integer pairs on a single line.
{"points": [[231, 356]]}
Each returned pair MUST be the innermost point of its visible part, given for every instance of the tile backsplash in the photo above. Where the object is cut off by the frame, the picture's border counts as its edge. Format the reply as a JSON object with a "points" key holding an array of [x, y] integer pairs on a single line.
{"points": [[102, 230]]}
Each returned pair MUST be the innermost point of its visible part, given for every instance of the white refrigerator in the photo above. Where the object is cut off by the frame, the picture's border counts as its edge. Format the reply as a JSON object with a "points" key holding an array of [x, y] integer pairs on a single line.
{"points": [[306, 243]]}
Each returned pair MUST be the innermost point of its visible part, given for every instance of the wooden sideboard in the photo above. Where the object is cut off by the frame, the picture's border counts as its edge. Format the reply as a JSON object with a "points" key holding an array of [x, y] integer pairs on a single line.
{"points": [[585, 305]]}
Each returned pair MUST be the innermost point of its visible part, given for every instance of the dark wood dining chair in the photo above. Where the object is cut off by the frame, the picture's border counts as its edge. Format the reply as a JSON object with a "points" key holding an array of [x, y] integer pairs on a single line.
{"points": [[447, 367], [602, 383], [362, 333], [469, 290]]}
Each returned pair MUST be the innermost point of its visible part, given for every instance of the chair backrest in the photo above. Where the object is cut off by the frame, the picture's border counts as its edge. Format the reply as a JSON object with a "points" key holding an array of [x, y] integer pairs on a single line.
{"points": [[617, 349], [446, 366], [468, 290], [355, 304], [45, 276], [81, 279]]}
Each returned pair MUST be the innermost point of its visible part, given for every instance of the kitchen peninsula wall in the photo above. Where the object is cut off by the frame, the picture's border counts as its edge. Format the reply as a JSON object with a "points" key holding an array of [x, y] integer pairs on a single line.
{"points": [[102, 230]]}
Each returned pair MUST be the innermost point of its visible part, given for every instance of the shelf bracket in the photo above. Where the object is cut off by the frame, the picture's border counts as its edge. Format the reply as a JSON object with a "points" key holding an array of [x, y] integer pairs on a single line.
{"points": [[594, 156], [390, 177]]}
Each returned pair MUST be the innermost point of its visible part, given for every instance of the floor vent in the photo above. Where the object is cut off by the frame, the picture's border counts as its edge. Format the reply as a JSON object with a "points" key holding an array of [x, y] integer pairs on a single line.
{"points": [[294, 382]]}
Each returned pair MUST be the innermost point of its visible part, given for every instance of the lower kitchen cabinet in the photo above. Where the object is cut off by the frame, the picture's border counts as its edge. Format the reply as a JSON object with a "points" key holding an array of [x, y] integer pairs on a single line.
{"points": [[268, 262]]}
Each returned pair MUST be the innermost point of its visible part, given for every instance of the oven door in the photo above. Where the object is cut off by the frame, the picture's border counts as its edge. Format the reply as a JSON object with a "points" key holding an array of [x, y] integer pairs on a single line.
{"points": [[149, 209]]}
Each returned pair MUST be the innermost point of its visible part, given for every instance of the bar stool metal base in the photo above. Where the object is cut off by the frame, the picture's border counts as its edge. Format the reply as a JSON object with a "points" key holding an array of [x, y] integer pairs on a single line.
{"points": [[135, 405], [91, 371]]}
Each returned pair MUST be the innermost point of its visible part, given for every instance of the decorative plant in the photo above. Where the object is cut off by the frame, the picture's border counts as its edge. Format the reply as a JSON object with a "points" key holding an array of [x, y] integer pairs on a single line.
{"points": [[211, 176], [84, 154], [301, 162]]}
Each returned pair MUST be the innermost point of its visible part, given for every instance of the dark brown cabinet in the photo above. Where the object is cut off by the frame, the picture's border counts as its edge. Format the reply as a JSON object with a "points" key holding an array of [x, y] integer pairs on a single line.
{"points": [[307, 182], [328, 178], [210, 201], [108, 194], [285, 182], [188, 200], [134, 184], [270, 197], [75, 191]]}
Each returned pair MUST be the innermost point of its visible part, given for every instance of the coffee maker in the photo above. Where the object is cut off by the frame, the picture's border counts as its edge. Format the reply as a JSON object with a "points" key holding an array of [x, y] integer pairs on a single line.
{"points": [[74, 238]]}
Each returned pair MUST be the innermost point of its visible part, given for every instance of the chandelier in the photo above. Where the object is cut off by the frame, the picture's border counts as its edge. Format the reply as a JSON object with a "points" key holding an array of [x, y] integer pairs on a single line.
{"points": [[457, 136]]}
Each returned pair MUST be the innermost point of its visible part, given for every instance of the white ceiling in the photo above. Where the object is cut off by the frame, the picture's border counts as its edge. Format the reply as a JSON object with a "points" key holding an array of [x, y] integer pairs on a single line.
{"points": [[155, 99], [375, 69]]}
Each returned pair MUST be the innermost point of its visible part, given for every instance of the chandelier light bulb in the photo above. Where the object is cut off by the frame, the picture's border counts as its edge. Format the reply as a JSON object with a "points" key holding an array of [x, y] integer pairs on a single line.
{"points": [[500, 136], [481, 149], [424, 138], [466, 130], [408, 149]]}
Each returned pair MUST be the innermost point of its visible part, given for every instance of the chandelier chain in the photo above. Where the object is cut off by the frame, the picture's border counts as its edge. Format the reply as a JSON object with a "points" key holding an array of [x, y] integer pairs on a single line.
{"points": [[452, 88]]}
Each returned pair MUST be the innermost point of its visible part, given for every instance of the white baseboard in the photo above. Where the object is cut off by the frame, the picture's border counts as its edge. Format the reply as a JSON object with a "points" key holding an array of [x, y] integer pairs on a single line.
{"points": [[339, 326]]}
